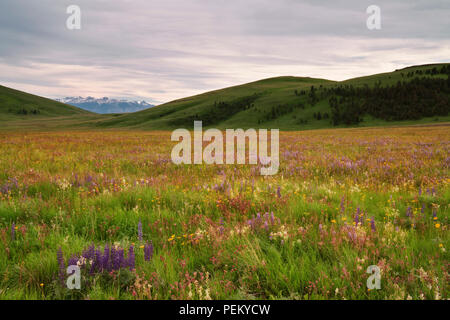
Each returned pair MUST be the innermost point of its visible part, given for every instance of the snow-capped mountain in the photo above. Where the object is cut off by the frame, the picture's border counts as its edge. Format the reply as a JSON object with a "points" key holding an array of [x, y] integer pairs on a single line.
{"points": [[106, 105]]}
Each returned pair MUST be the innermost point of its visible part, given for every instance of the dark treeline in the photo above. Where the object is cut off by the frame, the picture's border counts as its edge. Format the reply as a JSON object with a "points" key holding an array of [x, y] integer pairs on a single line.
{"points": [[221, 110], [282, 109], [24, 111], [312, 96], [320, 116], [432, 72], [411, 100], [420, 93]]}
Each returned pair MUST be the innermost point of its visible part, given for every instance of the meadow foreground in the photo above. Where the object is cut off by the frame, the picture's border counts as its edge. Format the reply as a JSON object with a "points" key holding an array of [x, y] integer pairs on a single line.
{"points": [[141, 227]]}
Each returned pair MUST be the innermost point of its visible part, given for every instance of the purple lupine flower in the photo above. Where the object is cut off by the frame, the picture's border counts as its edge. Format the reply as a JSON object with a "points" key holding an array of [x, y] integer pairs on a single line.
{"points": [[221, 228], [73, 261], [61, 264], [372, 224], [121, 258], [420, 191], [113, 259], [423, 208], [357, 216], [88, 179], [98, 262], [15, 182], [279, 192], [151, 249], [272, 218], [76, 183], [94, 264], [131, 258], [148, 251], [93, 267], [105, 258], [342, 204], [13, 231], [89, 254], [266, 225], [408, 212], [5, 188], [140, 230]]}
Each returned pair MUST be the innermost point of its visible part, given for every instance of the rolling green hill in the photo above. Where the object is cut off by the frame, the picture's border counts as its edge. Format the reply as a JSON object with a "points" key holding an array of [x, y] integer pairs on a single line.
{"points": [[24, 111], [16, 104], [413, 95], [242, 102], [282, 102]]}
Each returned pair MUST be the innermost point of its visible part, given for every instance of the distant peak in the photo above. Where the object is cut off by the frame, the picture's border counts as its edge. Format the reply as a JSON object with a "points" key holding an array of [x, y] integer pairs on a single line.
{"points": [[100, 100], [106, 104]]}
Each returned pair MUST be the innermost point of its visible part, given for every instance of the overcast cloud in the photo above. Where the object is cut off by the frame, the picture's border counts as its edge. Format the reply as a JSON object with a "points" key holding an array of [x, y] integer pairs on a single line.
{"points": [[160, 50]]}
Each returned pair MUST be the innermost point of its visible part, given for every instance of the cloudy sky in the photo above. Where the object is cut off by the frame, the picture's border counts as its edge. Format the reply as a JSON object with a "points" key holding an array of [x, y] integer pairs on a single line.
{"points": [[160, 50]]}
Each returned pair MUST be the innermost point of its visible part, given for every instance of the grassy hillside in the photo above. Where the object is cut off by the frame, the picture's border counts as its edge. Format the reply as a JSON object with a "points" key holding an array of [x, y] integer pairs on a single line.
{"points": [[244, 101], [281, 102], [287, 103], [18, 105]]}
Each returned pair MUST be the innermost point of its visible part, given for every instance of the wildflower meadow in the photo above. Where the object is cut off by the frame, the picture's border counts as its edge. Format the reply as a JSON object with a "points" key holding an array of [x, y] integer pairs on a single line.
{"points": [[140, 227]]}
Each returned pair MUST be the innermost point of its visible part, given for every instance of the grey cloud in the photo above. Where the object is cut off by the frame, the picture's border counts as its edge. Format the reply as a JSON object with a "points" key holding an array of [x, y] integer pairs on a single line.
{"points": [[167, 49]]}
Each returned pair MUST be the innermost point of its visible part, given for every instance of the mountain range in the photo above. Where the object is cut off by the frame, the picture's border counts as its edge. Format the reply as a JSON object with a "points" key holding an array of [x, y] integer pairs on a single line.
{"points": [[106, 105]]}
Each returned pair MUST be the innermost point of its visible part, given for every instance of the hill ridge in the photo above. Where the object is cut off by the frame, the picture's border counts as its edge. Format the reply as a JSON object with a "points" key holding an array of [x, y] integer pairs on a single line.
{"points": [[284, 102]]}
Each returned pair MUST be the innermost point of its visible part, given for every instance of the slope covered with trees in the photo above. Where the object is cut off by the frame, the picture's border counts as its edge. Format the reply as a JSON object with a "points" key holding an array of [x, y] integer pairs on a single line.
{"points": [[412, 95], [406, 100]]}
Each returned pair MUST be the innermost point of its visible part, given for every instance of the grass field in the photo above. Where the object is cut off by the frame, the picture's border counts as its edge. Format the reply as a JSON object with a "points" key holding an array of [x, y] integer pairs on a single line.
{"points": [[344, 199]]}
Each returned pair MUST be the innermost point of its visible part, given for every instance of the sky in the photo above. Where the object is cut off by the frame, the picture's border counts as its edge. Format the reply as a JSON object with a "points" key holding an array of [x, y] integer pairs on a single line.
{"points": [[161, 50]]}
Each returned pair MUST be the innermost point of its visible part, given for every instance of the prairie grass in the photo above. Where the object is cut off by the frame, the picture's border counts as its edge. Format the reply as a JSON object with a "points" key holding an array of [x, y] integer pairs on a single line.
{"points": [[343, 200]]}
